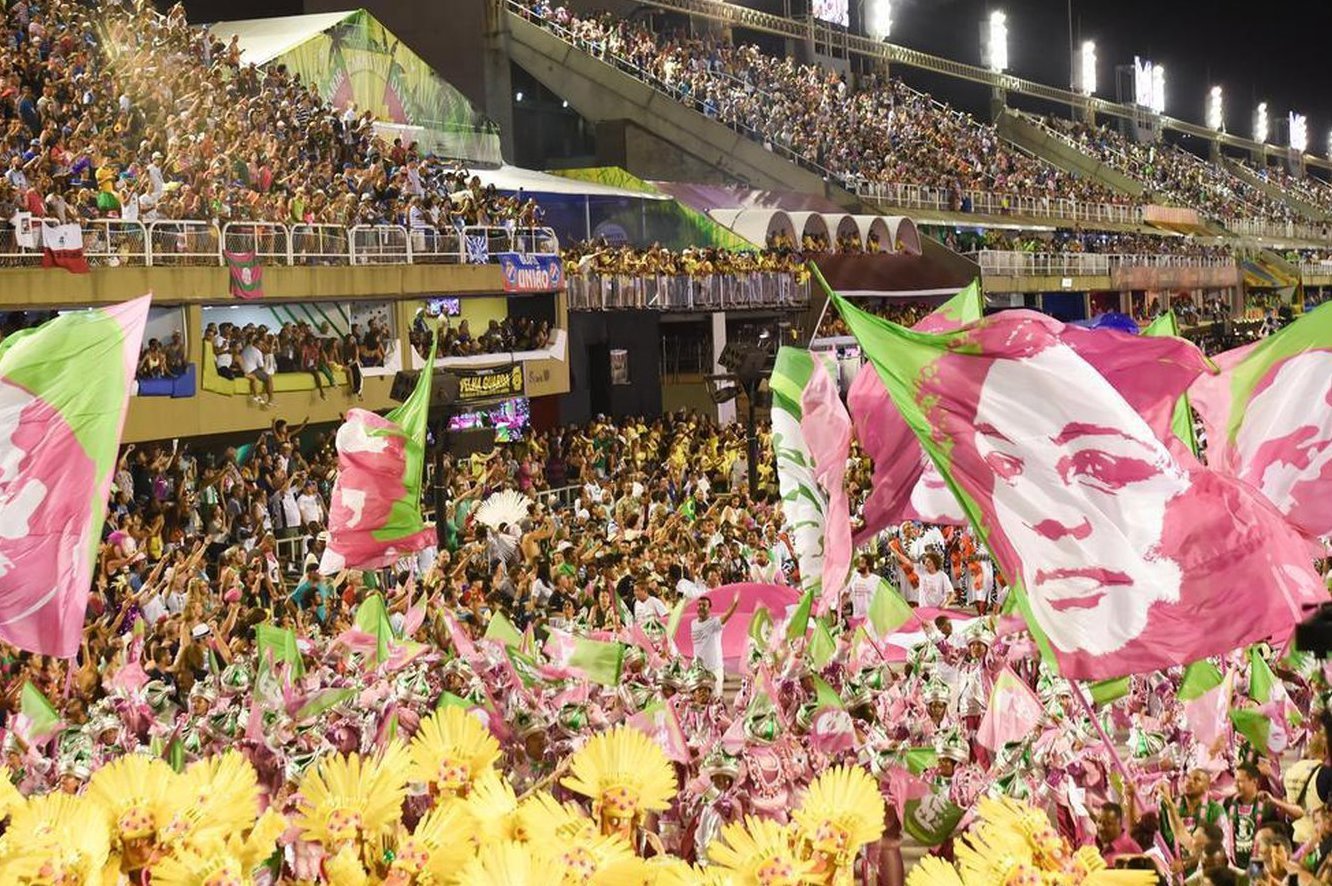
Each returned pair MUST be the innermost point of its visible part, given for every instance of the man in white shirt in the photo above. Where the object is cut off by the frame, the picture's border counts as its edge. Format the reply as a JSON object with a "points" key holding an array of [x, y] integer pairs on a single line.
{"points": [[763, 570], [862, 586], [310, 505], [648, 607], [706, 632], [252, 365]]}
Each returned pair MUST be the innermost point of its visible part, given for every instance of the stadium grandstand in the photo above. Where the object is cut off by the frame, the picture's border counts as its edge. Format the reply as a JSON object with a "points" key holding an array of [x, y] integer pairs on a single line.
{"points": [[693, 442]]}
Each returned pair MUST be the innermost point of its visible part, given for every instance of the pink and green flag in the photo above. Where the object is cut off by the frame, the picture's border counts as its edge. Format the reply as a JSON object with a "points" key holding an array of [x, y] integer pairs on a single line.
{"points": [[38, 717], [822, 646], [274, 644], [1104, 692], [374, 515], [1013, 714], [1267, 418], [811, 437], [888, 611], [246, 275], [1181, 420], [372, 619], [1123, 559], [905, 485], [1199, 678], [64, 389]]}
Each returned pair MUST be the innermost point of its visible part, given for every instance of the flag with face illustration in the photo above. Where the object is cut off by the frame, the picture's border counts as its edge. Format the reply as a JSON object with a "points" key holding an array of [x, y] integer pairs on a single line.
{"points": [[374, 514], [1123, 558], [811, 437], [64, 389], [1268, 420], [905, 485]]}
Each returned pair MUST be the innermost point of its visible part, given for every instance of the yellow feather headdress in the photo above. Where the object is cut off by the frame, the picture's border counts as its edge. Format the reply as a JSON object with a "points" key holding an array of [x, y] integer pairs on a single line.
{"points": [[623, 772]]}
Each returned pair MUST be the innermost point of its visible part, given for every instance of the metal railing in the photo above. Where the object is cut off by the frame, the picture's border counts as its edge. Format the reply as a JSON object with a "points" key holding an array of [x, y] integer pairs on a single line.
{"points": [[754, 289], [907, 196], [1316, 269], [1275, 230], [109, 242], [1074, 264], [183, 242], [267, 240], [313, 244]]}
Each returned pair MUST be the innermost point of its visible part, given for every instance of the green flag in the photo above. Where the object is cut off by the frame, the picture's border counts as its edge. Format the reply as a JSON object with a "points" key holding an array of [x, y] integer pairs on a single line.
{"points": [[888, 611], [175, 755], [1255, 726], [405, 516], [919, 759], [824, 695], [799, 623], [931, 819], [1106, 691], [1261, 679], [760, 625], [42, 718], [1181, 422], [322, 701], [502, 631], [821, 645], [1199, 678], [599, 661], [277, 644], [372, 618], [449, 700], [673, 621]]}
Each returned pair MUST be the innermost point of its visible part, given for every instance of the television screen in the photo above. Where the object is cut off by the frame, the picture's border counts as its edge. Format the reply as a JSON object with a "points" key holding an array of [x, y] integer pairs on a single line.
{"points": [[509, 419], [445, 307], [834, 11]]}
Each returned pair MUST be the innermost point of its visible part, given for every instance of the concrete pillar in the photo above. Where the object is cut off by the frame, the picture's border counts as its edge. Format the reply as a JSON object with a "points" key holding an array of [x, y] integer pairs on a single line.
{"points": [[498, 104], [725, 411]]}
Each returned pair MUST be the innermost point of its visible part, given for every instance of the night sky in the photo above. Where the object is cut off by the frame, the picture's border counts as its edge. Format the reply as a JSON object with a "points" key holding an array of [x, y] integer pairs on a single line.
{"points": [[1278, 52]]}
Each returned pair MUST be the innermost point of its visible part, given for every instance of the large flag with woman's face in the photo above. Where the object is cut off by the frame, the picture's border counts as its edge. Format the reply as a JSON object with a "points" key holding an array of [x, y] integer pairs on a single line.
{"points": [[1123, 558], [904, 485], [1268, 417], [64, 388], [374, 514]]}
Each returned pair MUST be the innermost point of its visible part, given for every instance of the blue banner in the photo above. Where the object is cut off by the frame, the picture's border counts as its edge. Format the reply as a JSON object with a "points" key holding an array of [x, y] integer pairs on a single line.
{"points": [[531, 273]]}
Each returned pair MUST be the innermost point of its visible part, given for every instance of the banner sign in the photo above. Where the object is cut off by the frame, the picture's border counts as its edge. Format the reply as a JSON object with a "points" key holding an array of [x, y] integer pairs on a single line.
{"points": [[491, 384], [531, 273]]}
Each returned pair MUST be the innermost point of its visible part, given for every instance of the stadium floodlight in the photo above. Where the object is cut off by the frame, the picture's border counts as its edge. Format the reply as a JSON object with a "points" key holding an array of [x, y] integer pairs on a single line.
{"points": [[996, 42], [1216, 115], [879, 19], [1329, 146], [1149, 85], [1158, 89], [518, 96], [1084, 68], [1260, 123], [1299, 132]]}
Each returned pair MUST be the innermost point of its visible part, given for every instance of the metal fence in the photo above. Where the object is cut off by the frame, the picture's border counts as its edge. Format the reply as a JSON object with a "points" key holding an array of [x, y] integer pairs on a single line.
{"points": [[181, 242], [1074, 264], [714, 292], [905, 196], [1275, 230]]}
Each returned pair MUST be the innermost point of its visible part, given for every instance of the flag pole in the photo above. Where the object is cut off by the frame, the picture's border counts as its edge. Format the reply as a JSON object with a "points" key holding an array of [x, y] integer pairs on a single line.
{"points": [[1118, 762]]}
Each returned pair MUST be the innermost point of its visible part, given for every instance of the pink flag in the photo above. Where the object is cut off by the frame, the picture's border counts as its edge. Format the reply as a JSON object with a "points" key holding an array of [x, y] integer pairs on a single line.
{"points": [[777, 599], [1268, 419], [827, 429], [1013, 714], [363, 530], [1125, 558], [64, 389]]}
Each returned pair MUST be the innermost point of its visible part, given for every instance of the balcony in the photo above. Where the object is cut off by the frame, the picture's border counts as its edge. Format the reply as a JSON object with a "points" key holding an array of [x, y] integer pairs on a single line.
{"points": [[197, 243], [1032, 270], [716, 292], [922, 199]]}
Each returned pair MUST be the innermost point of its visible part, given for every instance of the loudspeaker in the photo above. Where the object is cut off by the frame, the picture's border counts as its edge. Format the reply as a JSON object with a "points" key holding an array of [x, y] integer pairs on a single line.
{"points": [[443, 387]]}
